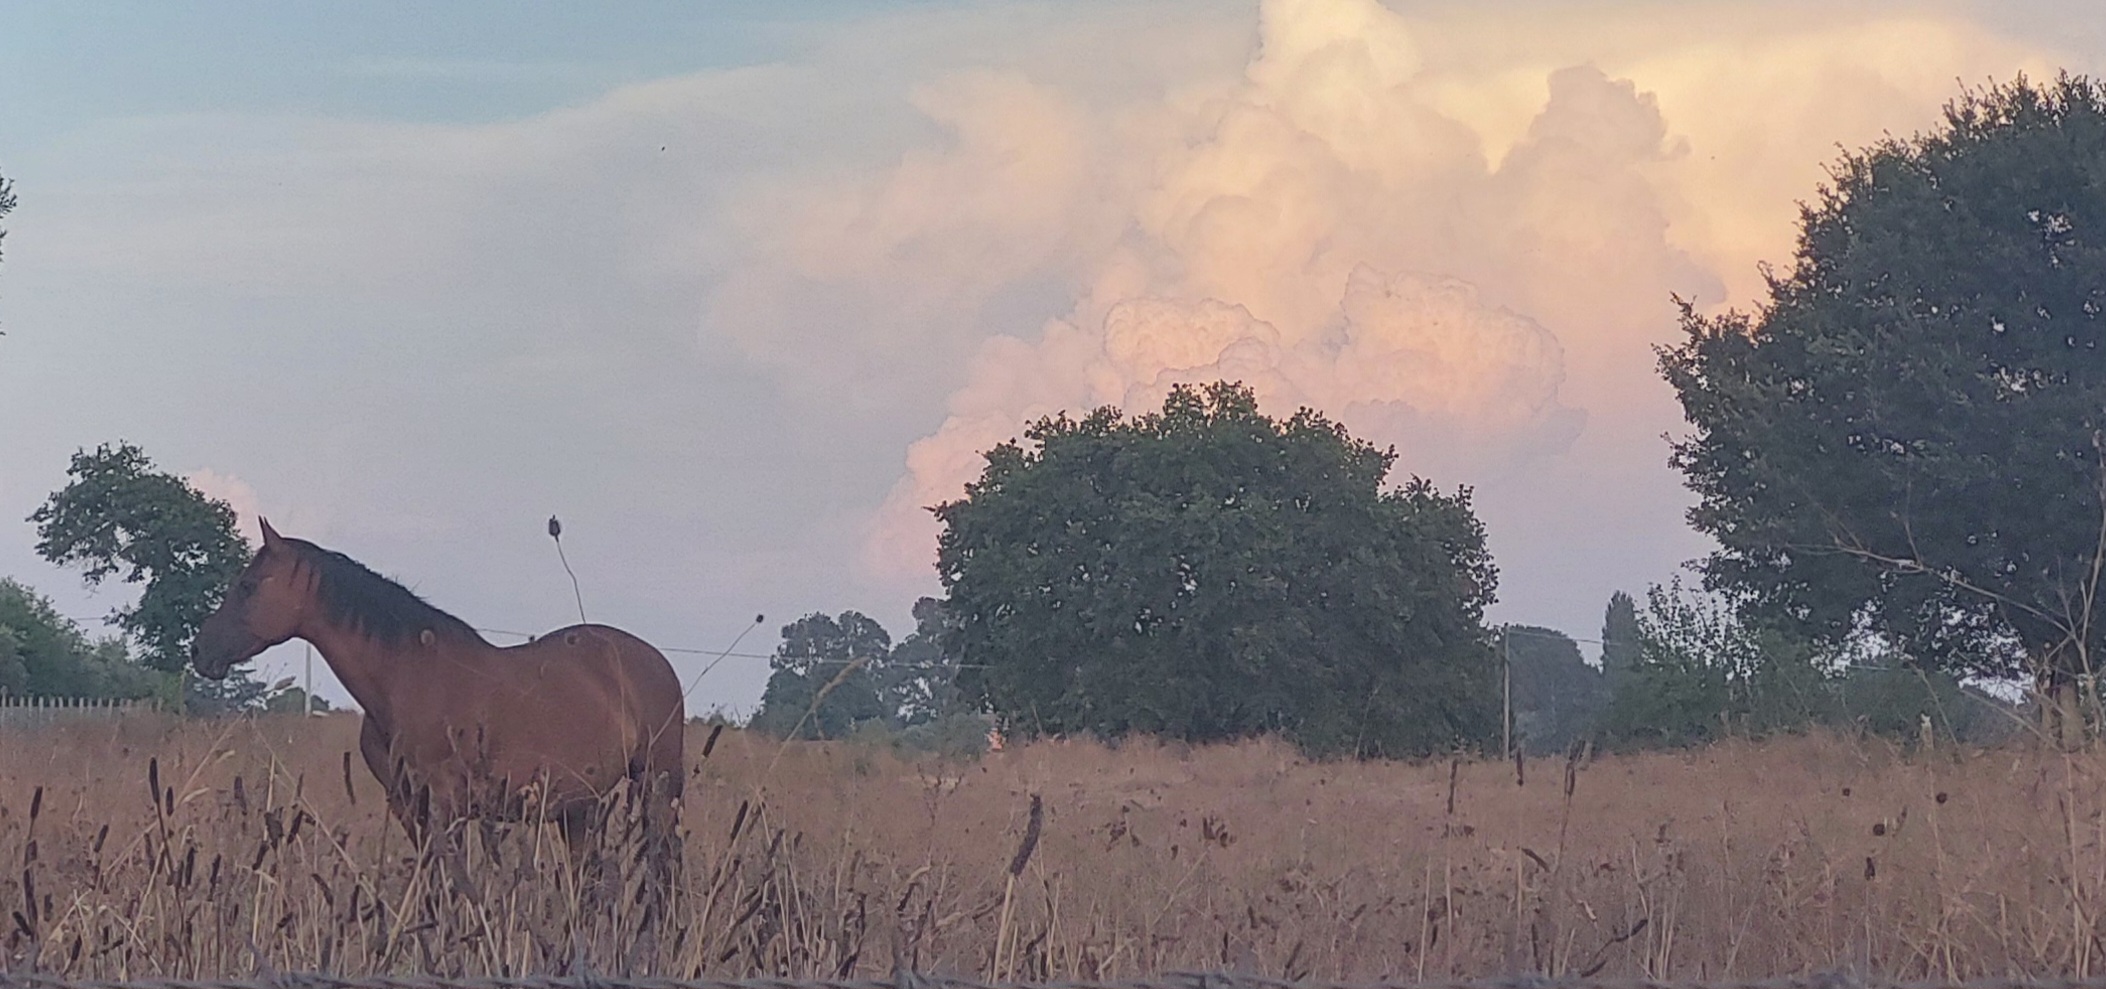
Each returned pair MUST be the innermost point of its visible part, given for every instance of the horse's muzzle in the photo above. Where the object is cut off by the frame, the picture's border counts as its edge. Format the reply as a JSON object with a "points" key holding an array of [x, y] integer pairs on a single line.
{"points": [[214, 659], [210, 670]]}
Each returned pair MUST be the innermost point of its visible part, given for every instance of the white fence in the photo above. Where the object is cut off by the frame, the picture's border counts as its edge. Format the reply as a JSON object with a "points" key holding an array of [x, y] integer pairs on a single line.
{"points": [[17, 712]]}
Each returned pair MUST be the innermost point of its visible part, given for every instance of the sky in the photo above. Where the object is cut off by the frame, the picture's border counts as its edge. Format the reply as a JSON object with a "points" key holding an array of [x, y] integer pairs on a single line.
{"points": [[737, 289]]}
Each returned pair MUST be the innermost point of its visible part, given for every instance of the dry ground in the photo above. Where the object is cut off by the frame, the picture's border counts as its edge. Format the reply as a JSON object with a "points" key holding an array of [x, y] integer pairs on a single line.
{"points": [[833, 859]]}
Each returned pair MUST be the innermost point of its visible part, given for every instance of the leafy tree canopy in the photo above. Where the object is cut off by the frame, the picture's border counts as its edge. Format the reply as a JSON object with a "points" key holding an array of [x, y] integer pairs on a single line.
{"points": [[7, 201], [1906, 439], [1207, 572], [118, 516]]}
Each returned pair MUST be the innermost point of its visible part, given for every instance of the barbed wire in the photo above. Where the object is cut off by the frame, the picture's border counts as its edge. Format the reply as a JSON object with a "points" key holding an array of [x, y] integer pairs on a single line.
{"points": [[692, 651], [914, 980], [684, 650]]}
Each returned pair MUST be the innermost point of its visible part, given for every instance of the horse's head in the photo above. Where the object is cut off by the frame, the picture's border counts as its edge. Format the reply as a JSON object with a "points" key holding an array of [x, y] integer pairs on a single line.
{"points": [[260, 610]]}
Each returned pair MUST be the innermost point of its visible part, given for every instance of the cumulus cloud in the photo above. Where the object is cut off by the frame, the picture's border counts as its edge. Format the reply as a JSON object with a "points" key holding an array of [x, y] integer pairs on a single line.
{"points": [[237, 494], [1320, 231], [1458, 242], [307, 522], [1428, 351]]}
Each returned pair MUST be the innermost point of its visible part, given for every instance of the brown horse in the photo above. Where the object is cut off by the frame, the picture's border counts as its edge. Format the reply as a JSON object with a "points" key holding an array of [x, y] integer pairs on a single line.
{"points": [[456, 728]]}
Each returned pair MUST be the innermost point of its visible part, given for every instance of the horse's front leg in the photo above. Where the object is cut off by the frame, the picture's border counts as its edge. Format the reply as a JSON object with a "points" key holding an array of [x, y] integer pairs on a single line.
{"points": [[584, 837], [403, 800]]}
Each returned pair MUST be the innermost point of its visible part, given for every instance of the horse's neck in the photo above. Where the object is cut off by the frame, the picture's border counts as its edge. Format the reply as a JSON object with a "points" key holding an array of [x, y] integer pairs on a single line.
{"points": [[368, 670]]}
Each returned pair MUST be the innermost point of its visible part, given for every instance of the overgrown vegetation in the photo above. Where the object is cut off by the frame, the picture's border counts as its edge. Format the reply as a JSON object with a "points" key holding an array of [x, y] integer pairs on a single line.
{"points": [[809, 859], [1688, 670]]}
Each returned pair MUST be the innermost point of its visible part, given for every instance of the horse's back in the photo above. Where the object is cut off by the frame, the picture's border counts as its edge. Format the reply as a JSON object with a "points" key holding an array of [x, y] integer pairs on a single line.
{"points": [[618, 651], [636, 675]]}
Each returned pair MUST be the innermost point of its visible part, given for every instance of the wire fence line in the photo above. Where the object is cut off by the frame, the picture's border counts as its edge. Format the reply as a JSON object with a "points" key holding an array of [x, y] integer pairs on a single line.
{"points": [[720, 653], [914, 980]]}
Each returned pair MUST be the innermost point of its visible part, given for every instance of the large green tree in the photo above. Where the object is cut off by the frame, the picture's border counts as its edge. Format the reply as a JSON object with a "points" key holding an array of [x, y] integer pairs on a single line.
{"points": [[1208, 572], [120, 517], [1906, 438]]}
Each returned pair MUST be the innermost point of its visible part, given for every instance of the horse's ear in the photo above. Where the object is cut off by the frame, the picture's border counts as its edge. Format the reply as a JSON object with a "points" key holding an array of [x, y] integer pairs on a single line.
{"points": [[270, 535]]}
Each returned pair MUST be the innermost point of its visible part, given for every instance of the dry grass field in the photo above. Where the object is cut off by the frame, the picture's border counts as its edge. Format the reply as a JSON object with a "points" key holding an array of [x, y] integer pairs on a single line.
{"points": [[251, 850]]}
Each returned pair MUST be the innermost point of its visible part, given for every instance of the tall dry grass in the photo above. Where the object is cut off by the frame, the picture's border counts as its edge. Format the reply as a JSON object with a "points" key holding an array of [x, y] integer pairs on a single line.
{"points": [[150, 847]]}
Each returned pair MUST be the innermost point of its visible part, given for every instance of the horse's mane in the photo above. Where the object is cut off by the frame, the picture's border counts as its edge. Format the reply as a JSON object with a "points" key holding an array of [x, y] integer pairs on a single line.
{"points": [[387, 612]]}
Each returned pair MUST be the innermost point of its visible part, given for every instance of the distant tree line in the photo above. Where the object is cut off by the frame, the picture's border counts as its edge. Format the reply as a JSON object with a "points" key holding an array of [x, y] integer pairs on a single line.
{"points": [[1687, 670], [46, 654], [1205, 572], [1210, 573], [838, 677]]}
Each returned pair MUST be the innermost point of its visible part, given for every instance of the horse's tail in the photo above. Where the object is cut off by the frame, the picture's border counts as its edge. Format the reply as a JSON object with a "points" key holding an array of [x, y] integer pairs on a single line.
{"points": [[665, 744], [665, 749], [655, 708]]}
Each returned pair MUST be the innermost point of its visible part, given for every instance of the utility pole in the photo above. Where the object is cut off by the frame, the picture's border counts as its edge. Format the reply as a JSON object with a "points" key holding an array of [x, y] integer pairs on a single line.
{"points": [[1506, 695], [307, 698]]}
